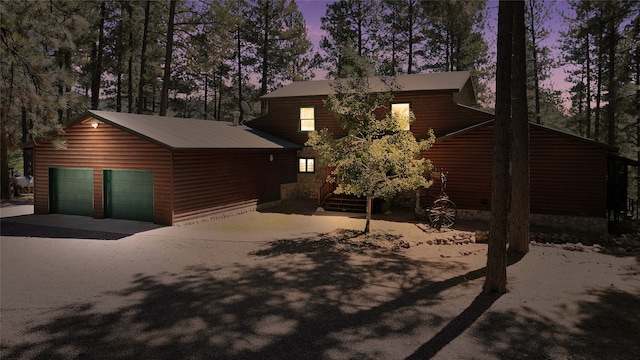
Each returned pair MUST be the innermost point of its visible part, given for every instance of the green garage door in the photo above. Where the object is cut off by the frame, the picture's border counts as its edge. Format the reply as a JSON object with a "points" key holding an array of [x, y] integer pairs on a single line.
{"points": [[128, 194], [71, 191]]}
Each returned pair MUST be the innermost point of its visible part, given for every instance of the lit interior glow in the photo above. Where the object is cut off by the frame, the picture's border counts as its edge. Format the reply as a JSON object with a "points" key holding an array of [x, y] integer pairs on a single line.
{"points": [[307, 119], [401, 111]]}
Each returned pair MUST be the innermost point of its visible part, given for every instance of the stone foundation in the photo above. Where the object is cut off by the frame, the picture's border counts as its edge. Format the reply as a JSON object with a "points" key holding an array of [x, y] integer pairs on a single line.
{"points": [[225, 213], [298, 191], [561, 222]]}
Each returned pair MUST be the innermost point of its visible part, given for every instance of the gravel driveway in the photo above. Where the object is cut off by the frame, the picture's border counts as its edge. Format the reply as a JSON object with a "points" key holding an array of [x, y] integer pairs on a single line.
{"points": [[280, 285]]}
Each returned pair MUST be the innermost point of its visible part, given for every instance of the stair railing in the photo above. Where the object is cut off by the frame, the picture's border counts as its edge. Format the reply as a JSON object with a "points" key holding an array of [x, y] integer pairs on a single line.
{"points": [[325, 190]]}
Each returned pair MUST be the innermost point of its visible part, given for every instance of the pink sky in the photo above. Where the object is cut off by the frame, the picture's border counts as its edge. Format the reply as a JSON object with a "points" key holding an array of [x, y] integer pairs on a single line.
{"points": [[313, 10]]}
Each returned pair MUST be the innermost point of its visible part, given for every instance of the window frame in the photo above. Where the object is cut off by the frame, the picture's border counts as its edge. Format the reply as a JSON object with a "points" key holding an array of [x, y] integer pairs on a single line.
{"points": [[402, 103], [306, 165], [300, 119]]}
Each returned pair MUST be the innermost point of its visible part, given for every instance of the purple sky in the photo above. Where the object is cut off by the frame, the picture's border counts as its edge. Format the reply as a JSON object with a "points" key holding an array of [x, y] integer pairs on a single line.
{"points": [[313, 10]]}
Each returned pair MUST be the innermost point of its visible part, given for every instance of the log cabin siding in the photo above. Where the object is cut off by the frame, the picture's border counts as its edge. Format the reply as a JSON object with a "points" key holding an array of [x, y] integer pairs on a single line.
{"points": [[433, 110], [437, 111], [187, 184], [568, 175], [466, 95], [105, 147], [210, 182], [283, 119]]}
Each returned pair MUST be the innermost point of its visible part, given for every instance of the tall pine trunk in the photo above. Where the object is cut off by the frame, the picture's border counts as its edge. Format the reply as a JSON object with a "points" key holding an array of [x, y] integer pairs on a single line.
{"points": [[520, 197], [496, 279], [534, 59], [143, 58], [588, 75], [96, 74], [613, 40], [265, 59], [166, 78]]}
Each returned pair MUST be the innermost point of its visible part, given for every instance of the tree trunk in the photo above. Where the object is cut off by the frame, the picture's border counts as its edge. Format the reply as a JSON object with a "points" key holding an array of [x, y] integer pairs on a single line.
{"points": [[638, 125], [206, 95], [588, 75], [166, 78], [369, 207], [143, 58], [519, 224], [265, 60], [96, 74], [496, 279], [5, 187], [613, 40], [596, 127], [239, 51], [534, 56], [130, 62]]}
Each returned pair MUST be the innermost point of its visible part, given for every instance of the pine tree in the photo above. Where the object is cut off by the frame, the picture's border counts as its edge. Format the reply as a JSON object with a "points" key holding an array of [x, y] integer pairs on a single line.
{"points": [[538, 14], [400, 36], [273, 46], [351, 25], [35, 40], [520, 184], [496, 279]]}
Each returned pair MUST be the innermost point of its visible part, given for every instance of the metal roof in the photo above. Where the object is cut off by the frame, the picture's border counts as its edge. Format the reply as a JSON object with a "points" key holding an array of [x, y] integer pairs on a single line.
{"points": [[183, 133], [533, 125], [454, 80]]}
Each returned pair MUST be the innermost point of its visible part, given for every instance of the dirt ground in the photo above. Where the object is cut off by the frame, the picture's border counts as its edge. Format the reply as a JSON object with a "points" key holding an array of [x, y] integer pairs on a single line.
{"points": [[293, 283]]}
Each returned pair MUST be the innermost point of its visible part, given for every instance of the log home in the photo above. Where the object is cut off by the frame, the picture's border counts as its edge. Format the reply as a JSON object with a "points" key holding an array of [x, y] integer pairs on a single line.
{"points": [[568, 173]]}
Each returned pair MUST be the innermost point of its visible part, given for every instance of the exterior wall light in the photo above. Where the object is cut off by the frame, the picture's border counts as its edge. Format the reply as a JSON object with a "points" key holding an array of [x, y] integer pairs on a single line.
{"points": [[94, 124]]}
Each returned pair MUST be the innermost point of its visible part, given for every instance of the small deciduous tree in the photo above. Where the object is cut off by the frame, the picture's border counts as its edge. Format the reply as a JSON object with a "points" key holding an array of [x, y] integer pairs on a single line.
{"points": [[378, 158]]}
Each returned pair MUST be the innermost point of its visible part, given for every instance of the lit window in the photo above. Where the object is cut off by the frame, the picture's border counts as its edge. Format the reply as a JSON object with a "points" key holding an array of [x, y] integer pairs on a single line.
{"points": [[402, 111], [307, 118], [306, 165]]}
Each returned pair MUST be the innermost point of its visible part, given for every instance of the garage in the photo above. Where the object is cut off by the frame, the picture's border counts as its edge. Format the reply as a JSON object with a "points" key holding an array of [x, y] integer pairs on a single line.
{"points": [[162, 169], [71, 191], [128, 194]]}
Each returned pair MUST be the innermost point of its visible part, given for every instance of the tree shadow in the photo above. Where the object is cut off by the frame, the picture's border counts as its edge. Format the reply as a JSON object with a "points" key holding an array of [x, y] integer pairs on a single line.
{"points": [[62, 226], [306, 298], [609, 328], [11, 228]]}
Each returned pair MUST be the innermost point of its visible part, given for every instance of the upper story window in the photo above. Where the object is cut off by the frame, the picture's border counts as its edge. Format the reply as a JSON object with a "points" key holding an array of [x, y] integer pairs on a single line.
{"points": [[402, 111], [307, 118]]}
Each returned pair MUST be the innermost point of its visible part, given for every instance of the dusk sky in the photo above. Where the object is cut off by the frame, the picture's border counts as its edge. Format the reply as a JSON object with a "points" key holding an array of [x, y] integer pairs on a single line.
{"points": [[313, 10]]}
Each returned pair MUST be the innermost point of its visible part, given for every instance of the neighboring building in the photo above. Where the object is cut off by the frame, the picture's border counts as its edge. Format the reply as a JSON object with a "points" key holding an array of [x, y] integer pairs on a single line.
{"points": [[161, 169]]}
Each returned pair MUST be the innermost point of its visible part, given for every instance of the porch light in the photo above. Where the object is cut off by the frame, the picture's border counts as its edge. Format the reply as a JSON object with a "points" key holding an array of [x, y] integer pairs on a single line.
{"points": [[94, 124]]}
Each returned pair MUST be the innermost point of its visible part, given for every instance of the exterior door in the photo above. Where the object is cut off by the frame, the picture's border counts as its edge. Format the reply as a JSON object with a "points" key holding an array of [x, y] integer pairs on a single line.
{"points": [[71, 191], [128, 194]]}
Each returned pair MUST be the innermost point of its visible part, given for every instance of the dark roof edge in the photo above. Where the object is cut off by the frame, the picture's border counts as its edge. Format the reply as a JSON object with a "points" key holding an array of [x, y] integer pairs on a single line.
{"points": [[476, 109], [90, 113], [609, 148], [465, 130]]}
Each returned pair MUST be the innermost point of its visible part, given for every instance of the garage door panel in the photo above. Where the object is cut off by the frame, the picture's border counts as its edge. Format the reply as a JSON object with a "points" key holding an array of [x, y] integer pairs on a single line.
{"points": [[129, 194], [71, 191]]}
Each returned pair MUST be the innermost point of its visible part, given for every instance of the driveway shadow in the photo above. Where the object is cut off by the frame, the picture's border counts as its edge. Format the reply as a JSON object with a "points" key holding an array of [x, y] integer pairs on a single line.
{"points": [[306, 298], [71, 227], [609, 329]]}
